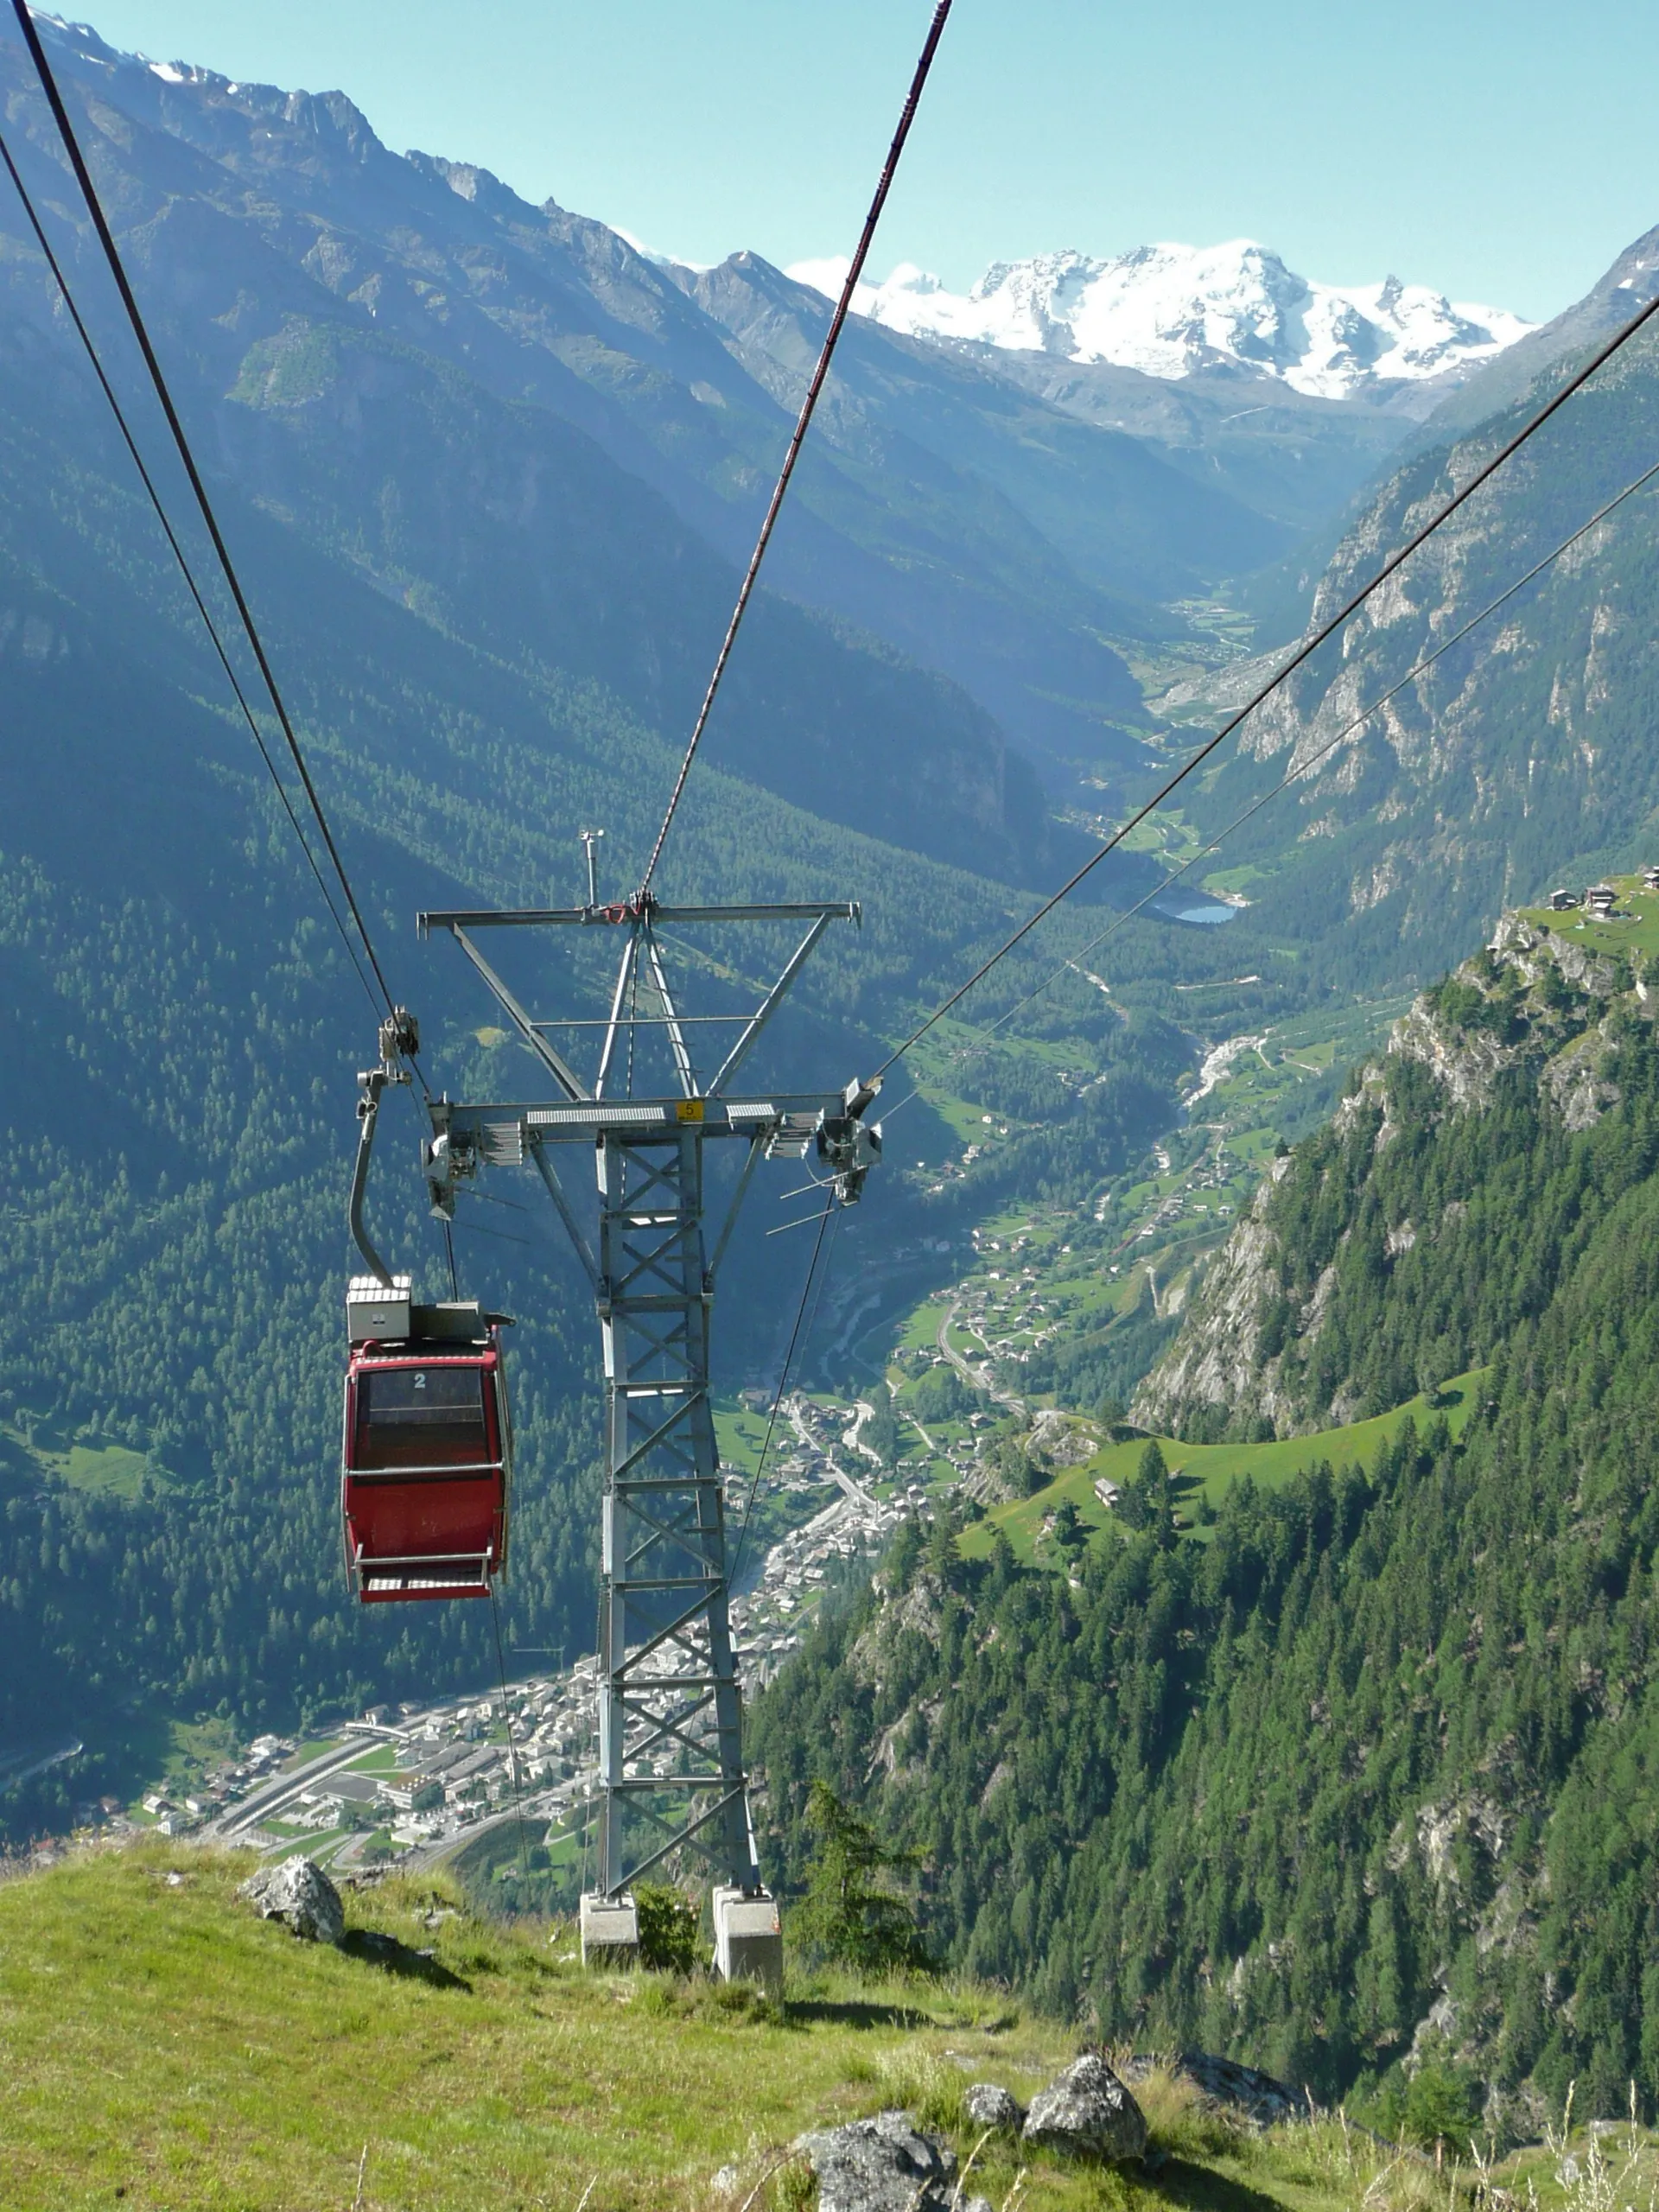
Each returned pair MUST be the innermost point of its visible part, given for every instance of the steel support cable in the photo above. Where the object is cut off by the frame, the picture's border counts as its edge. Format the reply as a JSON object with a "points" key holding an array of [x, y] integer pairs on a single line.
{"points": [[512, 1749], [1303, 653], [135, 316], [1322, 753], [85, 337], [778, 1399], [843, 306]]}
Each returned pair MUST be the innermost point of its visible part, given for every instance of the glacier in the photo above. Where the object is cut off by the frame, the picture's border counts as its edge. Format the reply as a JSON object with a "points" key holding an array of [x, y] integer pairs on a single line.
{"points": [[1170, 309]]}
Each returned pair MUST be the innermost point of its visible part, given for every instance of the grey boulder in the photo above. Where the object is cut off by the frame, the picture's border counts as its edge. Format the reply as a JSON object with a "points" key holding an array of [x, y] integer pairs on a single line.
{"points": [[988, 2105], [883, 2164], [301, 1896], [1087, 2113]]}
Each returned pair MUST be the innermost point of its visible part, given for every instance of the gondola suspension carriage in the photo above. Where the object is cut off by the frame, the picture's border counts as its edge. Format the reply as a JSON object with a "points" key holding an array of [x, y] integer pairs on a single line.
{"points": [[427, 1449]]}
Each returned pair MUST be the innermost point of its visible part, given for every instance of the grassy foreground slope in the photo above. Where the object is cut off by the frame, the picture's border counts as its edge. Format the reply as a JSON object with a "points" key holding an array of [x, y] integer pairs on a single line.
{"points": [[163, 2049]]}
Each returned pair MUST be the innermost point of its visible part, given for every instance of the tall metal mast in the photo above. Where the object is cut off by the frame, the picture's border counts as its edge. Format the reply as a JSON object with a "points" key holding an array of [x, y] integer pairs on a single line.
{"points": [[671, 1773]]}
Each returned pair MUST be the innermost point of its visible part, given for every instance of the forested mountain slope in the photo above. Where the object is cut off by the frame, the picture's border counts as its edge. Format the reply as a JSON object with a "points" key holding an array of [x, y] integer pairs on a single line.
{"points": [[405, 289], [1450, 1195], [424, 459], [1363, 1774]]}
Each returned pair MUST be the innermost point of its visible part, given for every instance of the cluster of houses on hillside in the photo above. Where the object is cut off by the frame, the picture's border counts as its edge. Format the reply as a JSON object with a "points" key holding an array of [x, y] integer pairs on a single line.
{"points": [[1600, 900], [451, 1767], [768, 1619], [175, 1811]]}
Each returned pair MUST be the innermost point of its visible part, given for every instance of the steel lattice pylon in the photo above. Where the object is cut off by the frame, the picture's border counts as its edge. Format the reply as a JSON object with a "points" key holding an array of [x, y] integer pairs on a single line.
{"points": [[671, 1762], [665, 1642]]}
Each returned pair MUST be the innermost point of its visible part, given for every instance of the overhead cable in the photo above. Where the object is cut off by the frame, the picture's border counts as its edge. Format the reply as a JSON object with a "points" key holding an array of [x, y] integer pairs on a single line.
{"points": [[1303, 653], [135, 316], [179, 555], [778, 1397], [843, 306], [513, 1748]]}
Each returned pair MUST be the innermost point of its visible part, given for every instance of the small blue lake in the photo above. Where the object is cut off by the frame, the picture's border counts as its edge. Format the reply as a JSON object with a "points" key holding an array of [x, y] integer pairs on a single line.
{"points": [[1209, 915]]}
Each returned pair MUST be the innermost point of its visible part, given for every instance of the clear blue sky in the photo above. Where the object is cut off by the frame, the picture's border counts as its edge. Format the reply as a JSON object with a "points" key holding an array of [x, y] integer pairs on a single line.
{"points": [[1501, 150]]}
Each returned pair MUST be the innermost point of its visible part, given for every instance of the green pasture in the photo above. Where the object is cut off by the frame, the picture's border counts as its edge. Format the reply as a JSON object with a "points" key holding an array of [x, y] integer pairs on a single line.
{"points": [[1211, 1470]]}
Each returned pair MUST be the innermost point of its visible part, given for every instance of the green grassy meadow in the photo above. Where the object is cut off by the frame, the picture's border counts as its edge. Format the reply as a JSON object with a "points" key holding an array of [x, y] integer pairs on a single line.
{"points": [[165, 2052], [1635, 933], [1210, 1469]]}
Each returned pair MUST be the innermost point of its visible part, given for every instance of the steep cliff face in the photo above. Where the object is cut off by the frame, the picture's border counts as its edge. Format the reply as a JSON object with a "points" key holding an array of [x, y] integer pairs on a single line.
{"points": [[1390, 1250]]}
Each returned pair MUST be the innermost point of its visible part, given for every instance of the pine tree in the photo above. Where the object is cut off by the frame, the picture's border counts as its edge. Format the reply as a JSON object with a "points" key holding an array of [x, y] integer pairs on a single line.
{"points": [[849, 1915]]}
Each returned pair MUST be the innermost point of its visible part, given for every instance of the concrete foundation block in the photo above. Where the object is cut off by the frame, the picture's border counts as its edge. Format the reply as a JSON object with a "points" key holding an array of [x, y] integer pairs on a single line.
{"points": [[748, 1939], [610, 1930]]}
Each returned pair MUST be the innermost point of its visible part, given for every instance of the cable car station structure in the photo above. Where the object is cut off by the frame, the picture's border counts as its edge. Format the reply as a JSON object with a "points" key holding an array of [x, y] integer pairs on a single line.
{"points": [[666, 1780]]}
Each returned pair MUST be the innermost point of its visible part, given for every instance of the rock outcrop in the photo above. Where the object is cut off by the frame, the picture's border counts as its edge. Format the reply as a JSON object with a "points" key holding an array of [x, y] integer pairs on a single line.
{"points": [[884, 2164], [301, 1896], [1087, 2113], [1225, 2086], [988, 2104], [1219, 1358]]}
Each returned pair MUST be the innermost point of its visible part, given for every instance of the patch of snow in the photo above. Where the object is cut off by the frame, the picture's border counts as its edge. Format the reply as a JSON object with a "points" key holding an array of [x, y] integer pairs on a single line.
{"points": [[661, 260]]}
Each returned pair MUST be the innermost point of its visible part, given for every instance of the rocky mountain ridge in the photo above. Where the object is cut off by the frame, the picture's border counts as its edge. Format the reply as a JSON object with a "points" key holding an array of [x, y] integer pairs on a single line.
{"points": [[253, 213], [1536, 1011], [1170, 310]]}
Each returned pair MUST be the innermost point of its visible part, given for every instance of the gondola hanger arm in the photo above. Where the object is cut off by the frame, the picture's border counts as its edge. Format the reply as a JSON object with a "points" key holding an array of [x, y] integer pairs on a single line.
{"points": [[400, 1035]]}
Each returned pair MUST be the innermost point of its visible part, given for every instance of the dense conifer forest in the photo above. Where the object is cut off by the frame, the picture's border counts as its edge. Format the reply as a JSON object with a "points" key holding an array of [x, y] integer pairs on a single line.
{"points": [[1364, 1771]]}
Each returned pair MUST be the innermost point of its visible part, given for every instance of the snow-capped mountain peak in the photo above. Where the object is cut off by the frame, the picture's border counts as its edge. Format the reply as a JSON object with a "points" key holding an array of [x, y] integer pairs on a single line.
{"points": [[1170, 309]]}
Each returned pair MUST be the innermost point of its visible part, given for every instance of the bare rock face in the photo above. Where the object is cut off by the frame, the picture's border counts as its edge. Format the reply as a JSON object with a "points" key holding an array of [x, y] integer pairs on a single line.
{"points": [[1059, 1440], [1575, 1080], [301, 1896], [1465, 1066], [883, 2164], [1088, 2113], [988, 2105], [1216, 1360], [921, 1608]]}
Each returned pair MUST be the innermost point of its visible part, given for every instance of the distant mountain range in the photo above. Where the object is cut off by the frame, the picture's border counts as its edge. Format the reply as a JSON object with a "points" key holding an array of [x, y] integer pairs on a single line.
{"points": [[1170, 310]]}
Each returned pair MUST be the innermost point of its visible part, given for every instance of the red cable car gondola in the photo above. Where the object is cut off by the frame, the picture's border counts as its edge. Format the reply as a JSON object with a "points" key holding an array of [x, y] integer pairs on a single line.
{"points": [[427, 1452], [427, 1446]]}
